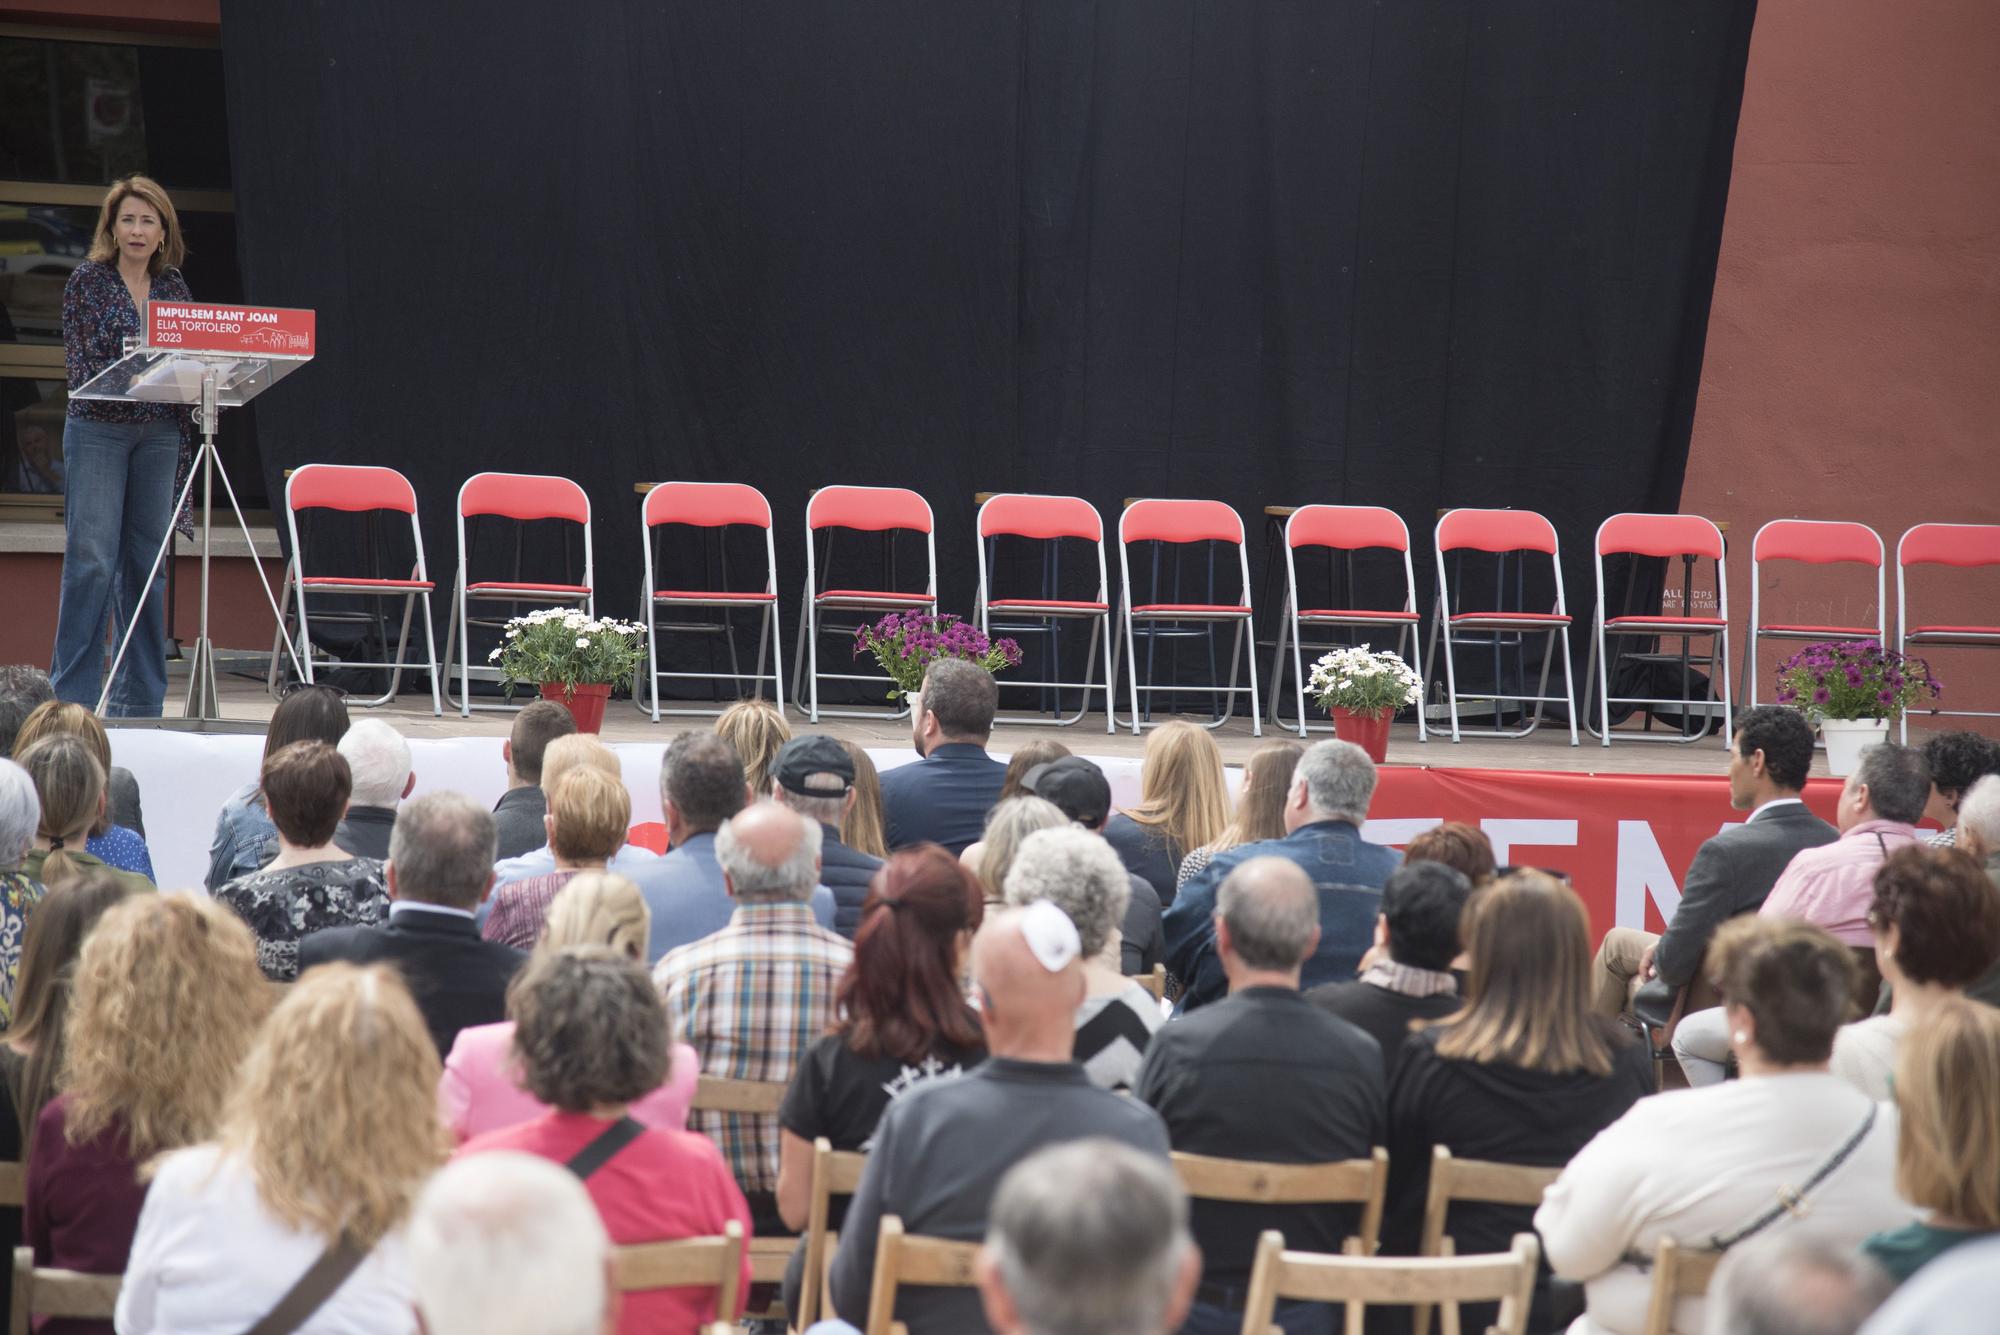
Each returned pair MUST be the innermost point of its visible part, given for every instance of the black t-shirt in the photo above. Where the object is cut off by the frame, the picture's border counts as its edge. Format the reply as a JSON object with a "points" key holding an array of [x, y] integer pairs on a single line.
{"points": [[1384, 1015]]}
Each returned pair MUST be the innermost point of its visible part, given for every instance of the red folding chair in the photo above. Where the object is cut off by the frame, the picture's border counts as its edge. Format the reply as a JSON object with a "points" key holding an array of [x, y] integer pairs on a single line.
{"points": [[869, 510], [1181, 523], [711, 505], [1501, 532], [356, 490], [1049, 519], [1962, 545], [1347, 529], [522, 498], [1815, 542], [1690, 538]]}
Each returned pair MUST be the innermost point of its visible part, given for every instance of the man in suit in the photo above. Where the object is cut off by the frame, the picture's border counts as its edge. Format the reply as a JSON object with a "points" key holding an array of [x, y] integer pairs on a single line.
{"points": [[814, 776], [440, 868], [1733, 872], [944, 798], [517, 818]]}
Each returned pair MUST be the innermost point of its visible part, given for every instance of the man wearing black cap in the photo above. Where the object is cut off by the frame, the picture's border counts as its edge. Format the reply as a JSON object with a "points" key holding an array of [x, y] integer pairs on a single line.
{"points": [[1079, 789], [814, 776]]}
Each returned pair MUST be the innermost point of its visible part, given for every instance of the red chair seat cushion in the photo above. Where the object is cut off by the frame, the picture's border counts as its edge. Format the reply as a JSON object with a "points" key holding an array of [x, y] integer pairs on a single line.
{"points": [[1846, 632], [1535, 618], [713, 596], [1190, 609], [1356, 614], [1953, 630], [572, 590], [1622, 623], [1053, 604], [400, 585], [874, 596]]}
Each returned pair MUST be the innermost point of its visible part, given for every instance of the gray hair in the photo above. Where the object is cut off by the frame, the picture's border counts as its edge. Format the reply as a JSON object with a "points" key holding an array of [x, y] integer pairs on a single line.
{"points": [[1897, 779], [1978, 814], [702, 775], [1271, 909], [20, 813], [963, 695], [1077, 872], [22, 688], [1788, 1284], [820, 810], [755, 882], [589, 1028], [508, 1243], [442, 849], [1088, 1237], [379, 760], [1339, 779]]}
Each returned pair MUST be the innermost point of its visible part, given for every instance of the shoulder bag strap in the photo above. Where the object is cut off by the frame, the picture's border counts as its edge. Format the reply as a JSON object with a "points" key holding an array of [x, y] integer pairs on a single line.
{"points": [[313, 1288], [1792, 1200], [605, 1144]]}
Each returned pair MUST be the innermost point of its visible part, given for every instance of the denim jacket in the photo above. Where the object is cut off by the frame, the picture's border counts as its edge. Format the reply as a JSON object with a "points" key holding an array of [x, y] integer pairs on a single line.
{"points": [[245, 839]]}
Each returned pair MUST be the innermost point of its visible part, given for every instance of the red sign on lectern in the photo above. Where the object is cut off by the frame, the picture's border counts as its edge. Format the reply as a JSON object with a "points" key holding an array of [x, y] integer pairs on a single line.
{"points": [[186, 326]]}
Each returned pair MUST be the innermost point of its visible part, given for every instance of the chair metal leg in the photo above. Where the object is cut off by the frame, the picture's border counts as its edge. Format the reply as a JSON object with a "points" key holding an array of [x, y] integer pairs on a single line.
{"points": [[430, 647]]}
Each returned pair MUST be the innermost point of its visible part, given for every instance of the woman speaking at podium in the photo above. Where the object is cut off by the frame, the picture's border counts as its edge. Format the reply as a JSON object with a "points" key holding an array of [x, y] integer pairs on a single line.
{"points": [[120, 460]]}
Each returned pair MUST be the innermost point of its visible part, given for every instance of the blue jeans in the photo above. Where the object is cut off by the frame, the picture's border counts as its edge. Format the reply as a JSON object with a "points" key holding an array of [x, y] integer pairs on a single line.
{"points": [[118, 498]]}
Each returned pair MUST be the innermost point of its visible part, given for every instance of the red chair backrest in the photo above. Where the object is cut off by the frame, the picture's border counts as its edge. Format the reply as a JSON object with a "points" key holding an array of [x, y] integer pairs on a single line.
{"points": [[1347, 527], [1950, 545], [1660, 535], [523, 496], [706, 505], [1819, 541], [869, 508], [1496, 531], [349, 487], [1016, 515], [1180, 521]]}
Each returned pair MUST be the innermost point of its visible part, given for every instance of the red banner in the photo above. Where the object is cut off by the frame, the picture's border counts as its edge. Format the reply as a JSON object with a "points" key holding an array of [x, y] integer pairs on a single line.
{"points": [[1625, 840], [193, 327]]}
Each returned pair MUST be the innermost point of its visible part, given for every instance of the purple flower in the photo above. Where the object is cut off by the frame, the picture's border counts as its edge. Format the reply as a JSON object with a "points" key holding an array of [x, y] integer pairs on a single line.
{"points": [[1821, 695], [1887, 697]]}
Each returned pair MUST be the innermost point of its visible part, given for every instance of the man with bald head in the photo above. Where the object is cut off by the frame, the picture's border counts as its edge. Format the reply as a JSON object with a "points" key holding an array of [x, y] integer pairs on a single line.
{"points": [[1263, 1074], [752, 997], [940, 1151]]}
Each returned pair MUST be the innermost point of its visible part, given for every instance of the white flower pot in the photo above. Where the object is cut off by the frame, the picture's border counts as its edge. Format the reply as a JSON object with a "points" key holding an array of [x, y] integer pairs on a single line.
{"points": [[1845, 738]]}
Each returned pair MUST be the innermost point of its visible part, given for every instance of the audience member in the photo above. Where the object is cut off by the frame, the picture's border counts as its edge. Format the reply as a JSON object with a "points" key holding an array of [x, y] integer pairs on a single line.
{"points": [[940, 1153], [1937, 928], [1416, 939], [379, 760], [1956, 1295], [115, 838], [591, 1039], [862, 828], [481, 1089], [1039, 751], [1080, 791], [326, 1139], [1525, 1074], [1732, 873], [589, 812], [1978, 832], [167, 1001], [245, 838], [517, 817], [757, 729], [23, 689], [20, 816], [752, 997], [1261, 1075], [69, 784], [814, 776], [1948, 1137], [312, 884], [1788, 1150], [1955, 761], [440, 867], [1011, 820], [1791, 1285], [944, 797], [509, 1244], [1324, 811], [563, 754], [1080, 874], [1464, 848], [1183, 805], [1260, 807], [1088, 1238]]}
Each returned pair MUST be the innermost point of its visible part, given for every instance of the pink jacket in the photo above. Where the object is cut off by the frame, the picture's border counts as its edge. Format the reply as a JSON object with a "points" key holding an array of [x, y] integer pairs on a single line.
{"points": [[1833, 885], [477, 1094]]}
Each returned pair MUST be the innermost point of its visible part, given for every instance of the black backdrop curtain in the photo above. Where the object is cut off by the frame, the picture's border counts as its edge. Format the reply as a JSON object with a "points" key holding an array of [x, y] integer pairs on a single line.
{"points": [[1409, 252]]}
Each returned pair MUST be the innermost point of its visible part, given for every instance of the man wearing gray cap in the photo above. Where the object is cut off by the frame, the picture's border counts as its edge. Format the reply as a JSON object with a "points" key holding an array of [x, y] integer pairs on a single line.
{"points": [[814, 776]]}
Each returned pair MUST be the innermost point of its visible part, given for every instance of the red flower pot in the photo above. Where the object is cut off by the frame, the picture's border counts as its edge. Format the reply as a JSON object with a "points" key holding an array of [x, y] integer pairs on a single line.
{"points": [[585, 702], [1366, 728]]}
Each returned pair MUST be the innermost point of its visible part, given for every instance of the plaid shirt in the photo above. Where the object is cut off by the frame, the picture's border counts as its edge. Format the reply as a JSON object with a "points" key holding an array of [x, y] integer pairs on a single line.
{"points": [[751, 999], [521, 910]]}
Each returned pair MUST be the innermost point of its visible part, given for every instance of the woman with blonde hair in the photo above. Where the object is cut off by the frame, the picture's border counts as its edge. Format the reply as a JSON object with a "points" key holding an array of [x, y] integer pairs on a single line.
{"points": [[70, 786], [588, 814], [1011, 820], [1183, 804], [167, 1000], [1026, 756], [326, 1139], [481, 1090], [115, 843], [1260, 807], [756, 729], [861, 828]]}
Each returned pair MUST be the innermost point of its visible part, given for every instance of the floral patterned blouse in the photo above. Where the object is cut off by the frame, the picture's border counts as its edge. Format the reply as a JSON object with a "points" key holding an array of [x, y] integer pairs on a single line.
{"points": [[19, 893], [284, 907]]}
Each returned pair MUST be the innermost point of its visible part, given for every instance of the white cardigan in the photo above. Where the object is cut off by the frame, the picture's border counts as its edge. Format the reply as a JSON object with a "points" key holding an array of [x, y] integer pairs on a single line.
{"points": [[1693, 1163]]}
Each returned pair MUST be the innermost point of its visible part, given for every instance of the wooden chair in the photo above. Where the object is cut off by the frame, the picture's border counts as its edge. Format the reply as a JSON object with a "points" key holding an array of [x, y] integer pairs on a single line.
{"points": [[834, 1173], [908, 1258], [1472, 1180], [711, 1262], [1246, 1182], [719, 1094], [68, 1293], [1677, 1274], [1507, 1278], [1155, 982]]}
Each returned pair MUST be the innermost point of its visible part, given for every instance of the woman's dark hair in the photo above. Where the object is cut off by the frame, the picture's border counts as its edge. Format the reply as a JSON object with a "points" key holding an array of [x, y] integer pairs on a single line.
{"points": [[308, 714], [1794, 978], [1026, 756], [1785, 738], [901, 996], [1957, 760], [1945, 912], [1463, 848], [49, 949], [306, 786], [589, 1028], [1422, 905]]}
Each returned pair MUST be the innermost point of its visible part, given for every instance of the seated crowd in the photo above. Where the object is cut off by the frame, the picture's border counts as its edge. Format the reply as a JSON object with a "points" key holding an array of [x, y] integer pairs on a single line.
{"points": [[411, 1064]]}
